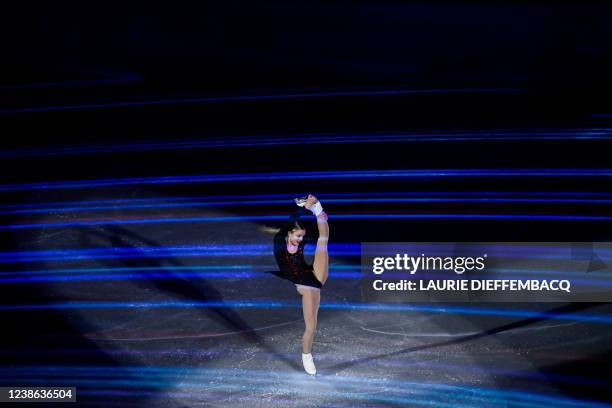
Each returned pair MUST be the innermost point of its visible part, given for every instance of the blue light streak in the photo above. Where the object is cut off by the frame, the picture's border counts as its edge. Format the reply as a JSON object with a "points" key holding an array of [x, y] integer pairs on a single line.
{"points": [[119, 201], [263, 97], [327, 201], [253, 381], [532, 217], [288, 140], [376, 307], [310, 175]]}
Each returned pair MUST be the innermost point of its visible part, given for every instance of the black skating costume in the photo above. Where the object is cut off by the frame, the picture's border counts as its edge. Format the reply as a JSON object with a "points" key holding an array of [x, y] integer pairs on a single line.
{"points": [[293, 266]]}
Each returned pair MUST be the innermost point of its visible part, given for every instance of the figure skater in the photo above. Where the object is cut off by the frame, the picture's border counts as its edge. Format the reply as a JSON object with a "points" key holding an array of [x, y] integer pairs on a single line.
{"points": [[308, 279]]}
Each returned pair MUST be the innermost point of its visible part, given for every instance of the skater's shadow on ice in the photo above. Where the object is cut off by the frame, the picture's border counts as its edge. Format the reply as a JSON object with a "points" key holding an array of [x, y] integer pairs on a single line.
{"points": [[571, 308], [172, 283]]}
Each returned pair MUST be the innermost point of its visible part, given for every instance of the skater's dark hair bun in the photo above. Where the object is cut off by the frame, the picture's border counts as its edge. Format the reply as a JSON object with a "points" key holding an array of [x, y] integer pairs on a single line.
{"points": [[296, 226]]}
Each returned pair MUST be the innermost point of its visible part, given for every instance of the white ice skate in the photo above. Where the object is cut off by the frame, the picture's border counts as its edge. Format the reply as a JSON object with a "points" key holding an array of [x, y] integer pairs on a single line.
{"points": [[301, 201], [309, 364]]}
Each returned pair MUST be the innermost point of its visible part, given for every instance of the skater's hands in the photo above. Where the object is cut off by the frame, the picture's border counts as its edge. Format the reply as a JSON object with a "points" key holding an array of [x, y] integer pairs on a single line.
{"points": [[312, 200]]}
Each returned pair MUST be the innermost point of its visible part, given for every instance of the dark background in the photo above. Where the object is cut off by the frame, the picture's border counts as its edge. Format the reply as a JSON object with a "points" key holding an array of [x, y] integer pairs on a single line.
{"points": [[82, 74]]}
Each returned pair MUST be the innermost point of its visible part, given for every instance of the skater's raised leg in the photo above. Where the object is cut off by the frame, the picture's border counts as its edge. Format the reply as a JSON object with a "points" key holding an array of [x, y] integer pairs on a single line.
{"points": [[321, 257]]}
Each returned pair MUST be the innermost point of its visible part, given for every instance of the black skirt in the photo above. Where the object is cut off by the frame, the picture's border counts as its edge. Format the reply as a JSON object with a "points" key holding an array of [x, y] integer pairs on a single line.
{"points": [[306, 279]]}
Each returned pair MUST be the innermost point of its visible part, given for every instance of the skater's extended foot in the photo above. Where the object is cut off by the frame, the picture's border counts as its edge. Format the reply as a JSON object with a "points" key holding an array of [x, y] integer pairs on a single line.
{"points": [[309, 364]]}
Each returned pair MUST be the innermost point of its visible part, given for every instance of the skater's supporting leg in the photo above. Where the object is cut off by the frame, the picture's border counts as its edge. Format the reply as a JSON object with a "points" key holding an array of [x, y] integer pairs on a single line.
{"points": [[311, 299]]}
